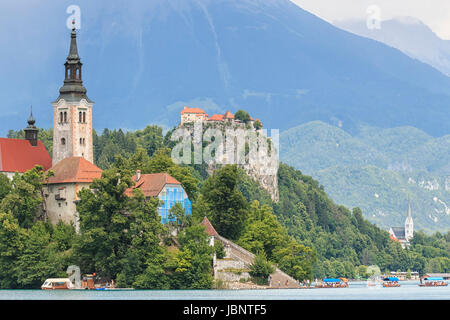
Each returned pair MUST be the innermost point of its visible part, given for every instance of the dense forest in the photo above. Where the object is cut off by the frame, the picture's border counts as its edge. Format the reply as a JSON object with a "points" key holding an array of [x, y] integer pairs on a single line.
{"points": [[305, 234]]}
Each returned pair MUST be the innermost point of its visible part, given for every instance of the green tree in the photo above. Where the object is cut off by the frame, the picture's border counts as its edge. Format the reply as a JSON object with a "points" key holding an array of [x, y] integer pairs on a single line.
{"points": [[242, 115], [261, 268], [104, 224], [262, 231], [5, 186], [226, 206], [296, 260], [25, 197], [12, 238], [39, 258], [192, 268]]}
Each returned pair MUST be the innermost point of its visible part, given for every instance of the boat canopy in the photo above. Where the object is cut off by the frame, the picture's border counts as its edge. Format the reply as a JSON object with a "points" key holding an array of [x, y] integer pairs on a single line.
{"points": [[331, 280], [391, 279], [434, 278]]}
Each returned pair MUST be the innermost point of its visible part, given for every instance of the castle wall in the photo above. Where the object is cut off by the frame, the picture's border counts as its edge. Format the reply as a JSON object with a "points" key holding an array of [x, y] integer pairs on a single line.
{"points": [[60, 202]]}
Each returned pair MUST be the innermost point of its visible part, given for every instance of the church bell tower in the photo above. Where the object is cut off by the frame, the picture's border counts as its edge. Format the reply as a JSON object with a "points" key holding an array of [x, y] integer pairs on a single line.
{"points": [[72, 112]]}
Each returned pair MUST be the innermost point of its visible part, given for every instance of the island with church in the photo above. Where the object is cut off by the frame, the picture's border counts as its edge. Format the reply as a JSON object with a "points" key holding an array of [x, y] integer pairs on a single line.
{"points": [[133, 218]]}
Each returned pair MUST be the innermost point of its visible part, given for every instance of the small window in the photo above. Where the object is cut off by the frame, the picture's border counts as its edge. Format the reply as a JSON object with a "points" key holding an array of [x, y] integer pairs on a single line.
{"points": [[65, 116], [80, 118], [84, 117], [63, 141]]}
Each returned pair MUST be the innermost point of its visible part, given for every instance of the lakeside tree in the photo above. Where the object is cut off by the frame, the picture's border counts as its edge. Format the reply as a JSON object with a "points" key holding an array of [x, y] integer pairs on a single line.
{"points": [[262, 231], [261, 268], [24, 196], [224, 204]]}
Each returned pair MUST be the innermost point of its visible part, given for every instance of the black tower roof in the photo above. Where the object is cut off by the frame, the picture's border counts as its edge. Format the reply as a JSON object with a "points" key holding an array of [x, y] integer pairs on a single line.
{"points": [[73, 89]]}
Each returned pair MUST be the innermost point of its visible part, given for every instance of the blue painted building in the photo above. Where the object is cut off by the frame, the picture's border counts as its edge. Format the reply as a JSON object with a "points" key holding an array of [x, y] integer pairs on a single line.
{"points": [[168, 190]]}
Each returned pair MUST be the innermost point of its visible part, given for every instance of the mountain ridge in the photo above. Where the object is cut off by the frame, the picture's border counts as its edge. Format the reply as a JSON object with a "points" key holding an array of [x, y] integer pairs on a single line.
{"points": [[376, 169], [273, 59]]}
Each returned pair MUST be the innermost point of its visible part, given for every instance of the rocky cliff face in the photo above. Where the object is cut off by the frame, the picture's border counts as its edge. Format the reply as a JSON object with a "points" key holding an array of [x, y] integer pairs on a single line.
{"points": [[238, 143]]}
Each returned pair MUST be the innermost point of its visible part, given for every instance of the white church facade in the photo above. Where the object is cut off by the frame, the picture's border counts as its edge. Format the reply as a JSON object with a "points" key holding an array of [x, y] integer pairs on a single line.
{"points": [[406, 233]]}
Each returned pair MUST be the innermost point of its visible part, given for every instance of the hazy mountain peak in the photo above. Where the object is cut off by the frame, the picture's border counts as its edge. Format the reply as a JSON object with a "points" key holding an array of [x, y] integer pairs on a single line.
{"points": [[409, 35]]}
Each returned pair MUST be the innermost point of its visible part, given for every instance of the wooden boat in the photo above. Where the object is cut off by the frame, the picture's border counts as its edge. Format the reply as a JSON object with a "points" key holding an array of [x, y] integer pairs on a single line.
{"points": [[57, 284], [433, 282], [390, 282], [333, 283]]}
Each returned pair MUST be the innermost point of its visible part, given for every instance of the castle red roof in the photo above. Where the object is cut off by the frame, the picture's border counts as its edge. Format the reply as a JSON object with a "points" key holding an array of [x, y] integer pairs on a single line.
{"points": [[228, 115], [192, 110], [216, 117], [18, 155], [151, 184], [74, 169]]}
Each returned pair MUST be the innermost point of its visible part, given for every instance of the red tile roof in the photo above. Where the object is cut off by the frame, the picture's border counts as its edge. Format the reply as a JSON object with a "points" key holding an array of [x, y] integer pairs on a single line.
{"points": [[192, 110], [151, 184], [216, 117], [18, 155], [228, 115], [209, 228], [74, 169]]}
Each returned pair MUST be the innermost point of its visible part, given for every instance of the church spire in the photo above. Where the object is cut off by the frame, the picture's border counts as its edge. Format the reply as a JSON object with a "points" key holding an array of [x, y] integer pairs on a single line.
{"points": [[73, 89], [409, 208], [73, 51], [409, 224], [31, 131]]}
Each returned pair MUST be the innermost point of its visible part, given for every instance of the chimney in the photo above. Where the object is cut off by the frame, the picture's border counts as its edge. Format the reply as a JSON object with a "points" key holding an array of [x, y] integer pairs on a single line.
{"points": [[138, 175]]}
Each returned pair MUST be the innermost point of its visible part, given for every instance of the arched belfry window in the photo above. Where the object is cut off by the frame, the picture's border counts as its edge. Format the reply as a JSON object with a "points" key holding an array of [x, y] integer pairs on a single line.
{"points": [[65, 116], [84, 117], [63, 141]]}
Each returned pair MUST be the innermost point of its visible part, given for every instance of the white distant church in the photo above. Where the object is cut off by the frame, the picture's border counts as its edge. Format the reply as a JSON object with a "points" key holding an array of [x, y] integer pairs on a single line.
{"points": [[406, 233]]}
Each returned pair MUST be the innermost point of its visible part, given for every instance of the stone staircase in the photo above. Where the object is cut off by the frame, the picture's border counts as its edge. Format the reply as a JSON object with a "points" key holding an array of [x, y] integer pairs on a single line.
{"points": [[238, 258]]}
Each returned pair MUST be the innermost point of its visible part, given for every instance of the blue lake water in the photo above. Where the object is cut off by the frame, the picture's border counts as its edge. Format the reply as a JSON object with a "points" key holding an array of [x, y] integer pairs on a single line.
{"points": [[409, 290]]}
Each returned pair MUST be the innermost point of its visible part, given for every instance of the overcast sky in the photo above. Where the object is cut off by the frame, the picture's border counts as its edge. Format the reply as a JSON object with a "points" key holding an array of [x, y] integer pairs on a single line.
{"points": [[434, 13]]}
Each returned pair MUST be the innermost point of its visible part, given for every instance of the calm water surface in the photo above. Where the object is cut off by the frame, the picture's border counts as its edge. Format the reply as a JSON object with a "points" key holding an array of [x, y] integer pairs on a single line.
{"points": [[356, 291]]}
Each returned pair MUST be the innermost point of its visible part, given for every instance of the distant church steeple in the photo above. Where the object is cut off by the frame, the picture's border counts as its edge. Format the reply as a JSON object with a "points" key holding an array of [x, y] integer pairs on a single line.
{"points": [[31, 131], [72, 111], [409, 224]]}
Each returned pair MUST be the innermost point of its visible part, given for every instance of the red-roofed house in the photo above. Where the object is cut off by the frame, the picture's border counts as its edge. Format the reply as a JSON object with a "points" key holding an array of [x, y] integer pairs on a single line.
{"points": [[21, 155], [193, 114], [18, 155], [166, 188], [61, 192]]}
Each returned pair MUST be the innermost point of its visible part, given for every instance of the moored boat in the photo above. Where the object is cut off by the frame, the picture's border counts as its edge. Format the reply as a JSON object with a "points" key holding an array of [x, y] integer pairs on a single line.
{"points": [[57, 284], [433, 282], [391, 282], [333, 283]]}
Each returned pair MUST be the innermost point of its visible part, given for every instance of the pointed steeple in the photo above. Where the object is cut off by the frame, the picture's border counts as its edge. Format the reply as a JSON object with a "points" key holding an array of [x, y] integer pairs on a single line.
{"points": [[31, 131], [409, 223], [73, 89], [409, 208], [73, 51]]}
